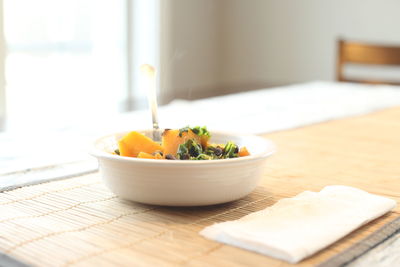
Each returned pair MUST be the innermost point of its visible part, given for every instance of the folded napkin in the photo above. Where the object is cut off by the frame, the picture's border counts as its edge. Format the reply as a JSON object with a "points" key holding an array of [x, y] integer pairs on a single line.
{"points": [[295, 228]]}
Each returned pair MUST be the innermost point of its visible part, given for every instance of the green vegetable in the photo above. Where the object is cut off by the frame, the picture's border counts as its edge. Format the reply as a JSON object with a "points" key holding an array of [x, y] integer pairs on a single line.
{"points": [[216, 152], [200, 131], [195, 149], [183, 152], [204, 157], [231, 150], [191, 150], [182, 130]]}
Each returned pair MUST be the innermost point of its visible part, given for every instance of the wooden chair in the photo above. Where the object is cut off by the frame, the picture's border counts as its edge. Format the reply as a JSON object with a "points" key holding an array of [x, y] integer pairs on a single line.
{"points": [[358, 53]]}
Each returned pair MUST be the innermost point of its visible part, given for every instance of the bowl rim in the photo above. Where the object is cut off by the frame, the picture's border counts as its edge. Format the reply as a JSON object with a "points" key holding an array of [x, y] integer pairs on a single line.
{"points": [[101, 154]]}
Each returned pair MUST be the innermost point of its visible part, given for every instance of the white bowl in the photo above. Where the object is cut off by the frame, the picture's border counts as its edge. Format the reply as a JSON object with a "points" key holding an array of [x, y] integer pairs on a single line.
{"points": [[183, 182]]}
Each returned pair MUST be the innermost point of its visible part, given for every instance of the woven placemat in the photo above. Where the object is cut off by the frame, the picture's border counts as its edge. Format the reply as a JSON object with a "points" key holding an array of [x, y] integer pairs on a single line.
{"points": [[383, 235], [78, 222]]}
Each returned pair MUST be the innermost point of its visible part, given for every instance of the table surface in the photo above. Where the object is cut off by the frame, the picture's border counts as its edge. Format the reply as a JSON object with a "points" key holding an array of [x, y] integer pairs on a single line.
{"points": [[261, 111], [358, 151]]}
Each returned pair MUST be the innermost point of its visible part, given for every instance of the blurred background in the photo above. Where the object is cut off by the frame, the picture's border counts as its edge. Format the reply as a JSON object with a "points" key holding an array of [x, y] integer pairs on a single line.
{"points": [[62, 62]]}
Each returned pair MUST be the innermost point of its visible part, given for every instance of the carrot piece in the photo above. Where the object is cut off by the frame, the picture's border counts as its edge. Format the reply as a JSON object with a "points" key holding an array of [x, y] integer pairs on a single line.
{"points": [[171, 140], [134, 142], [144, 155], [243, 152], [158, 156]]}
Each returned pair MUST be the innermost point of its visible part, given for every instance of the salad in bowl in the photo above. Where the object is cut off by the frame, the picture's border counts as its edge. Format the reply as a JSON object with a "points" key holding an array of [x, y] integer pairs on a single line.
{"points": [[190, 166]]}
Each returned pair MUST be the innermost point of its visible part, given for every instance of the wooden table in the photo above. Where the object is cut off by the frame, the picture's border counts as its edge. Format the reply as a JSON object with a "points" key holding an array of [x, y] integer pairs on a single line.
{"points": [[360, 151]]}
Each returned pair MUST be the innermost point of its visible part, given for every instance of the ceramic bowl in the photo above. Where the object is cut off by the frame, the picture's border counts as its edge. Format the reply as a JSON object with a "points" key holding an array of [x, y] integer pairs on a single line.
{"points": [[183, 182]]}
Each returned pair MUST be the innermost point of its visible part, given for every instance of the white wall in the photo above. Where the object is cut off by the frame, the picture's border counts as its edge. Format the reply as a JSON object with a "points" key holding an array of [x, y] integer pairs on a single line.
{"points": [[191, 42], [222, 46], [274, 42]]}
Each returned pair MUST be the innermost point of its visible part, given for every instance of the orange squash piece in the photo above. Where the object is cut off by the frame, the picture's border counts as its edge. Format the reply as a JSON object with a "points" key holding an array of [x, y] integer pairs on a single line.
{"points": [[144, 155], [204, 141], [243, 152], [134, 142], [171, 140], [158, 156]]}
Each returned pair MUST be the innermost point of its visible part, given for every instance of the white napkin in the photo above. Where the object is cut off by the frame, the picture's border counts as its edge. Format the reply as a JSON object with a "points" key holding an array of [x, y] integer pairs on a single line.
{"points": [[295, 228]]}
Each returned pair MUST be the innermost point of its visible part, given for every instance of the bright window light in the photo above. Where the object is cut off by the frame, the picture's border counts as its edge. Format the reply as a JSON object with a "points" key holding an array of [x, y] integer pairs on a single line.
{"points": [[65, 61]]}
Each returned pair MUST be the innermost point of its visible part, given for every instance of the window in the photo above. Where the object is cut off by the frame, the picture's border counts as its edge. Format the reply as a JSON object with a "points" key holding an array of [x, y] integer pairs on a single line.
{"points": [[66, 61]]}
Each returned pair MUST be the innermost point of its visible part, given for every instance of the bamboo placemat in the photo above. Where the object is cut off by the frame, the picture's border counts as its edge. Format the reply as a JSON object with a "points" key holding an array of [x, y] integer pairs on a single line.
{"points": [[78, 222]]}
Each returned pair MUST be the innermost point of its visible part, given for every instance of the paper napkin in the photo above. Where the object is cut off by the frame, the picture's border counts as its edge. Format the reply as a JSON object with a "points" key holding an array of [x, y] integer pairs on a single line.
{"points": [[295, 228]]}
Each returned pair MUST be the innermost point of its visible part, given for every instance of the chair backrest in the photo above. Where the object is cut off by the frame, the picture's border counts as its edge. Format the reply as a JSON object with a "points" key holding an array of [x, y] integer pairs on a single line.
{"points": [[358, 53]]}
